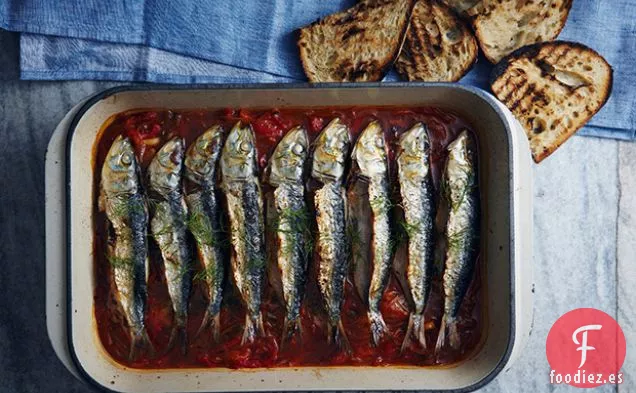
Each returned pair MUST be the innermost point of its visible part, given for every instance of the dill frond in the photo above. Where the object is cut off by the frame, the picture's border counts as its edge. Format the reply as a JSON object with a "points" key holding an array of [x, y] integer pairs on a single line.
{"points": [[199, 224]]}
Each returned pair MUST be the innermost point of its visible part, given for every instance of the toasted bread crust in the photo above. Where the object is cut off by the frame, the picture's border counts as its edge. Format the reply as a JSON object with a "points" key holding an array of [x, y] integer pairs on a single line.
{"points": [[439, 46], [504, 26], [356, 45], [553, 89]]}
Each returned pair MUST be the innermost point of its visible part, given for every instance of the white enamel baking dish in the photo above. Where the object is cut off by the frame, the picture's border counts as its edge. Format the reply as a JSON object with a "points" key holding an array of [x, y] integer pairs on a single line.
{"points": [[506, 184]]}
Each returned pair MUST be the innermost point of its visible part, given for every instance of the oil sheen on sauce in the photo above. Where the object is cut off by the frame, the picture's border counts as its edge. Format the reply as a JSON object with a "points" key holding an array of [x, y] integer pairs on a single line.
{"points": [[148, 130]]}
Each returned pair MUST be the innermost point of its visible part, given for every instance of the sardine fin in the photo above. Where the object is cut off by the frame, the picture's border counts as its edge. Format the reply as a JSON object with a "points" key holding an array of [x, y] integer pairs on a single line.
{"points": [[378, 327], [453, 335], [409, 331], [420, 330], [248, 331], [441, 337], [259, 325], [140, 341], [414, 328], [252, 328], [178, 334], [213, 322], [290, 327], [338, 335]]}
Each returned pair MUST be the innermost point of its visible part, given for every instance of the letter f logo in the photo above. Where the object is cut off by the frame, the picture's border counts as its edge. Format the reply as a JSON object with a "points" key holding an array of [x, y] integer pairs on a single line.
{"points": [[584, 347]]}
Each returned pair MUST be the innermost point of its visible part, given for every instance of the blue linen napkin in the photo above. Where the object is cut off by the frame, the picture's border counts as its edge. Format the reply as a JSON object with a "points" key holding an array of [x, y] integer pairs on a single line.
{"points": [[226, 41]]}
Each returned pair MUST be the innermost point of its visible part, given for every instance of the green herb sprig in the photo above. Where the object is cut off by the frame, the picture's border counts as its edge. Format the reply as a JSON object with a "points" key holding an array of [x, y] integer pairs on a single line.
{"points": [[295, 222]]}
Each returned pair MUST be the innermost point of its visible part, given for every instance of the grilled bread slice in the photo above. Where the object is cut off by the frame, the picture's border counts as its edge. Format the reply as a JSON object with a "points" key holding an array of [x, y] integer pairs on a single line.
{"points": [[359, 44], [502, 26], [439, 47], [553, 89]]}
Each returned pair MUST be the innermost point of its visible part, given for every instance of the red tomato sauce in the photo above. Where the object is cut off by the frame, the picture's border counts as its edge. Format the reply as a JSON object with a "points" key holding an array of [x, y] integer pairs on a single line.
{"points": [[149, 130]]}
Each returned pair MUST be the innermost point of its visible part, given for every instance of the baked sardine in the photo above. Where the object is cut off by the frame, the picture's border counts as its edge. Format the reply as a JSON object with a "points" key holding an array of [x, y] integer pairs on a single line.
{"points": [[328, 168], [204, 220], [418, 204], [169, 229], [286, 170], [460, 185], [124, 203], [369, 217], [242, 190]]}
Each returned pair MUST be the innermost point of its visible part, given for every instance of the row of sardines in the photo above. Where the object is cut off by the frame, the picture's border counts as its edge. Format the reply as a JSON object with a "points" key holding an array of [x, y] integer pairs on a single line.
{"points": [[362, 202]]}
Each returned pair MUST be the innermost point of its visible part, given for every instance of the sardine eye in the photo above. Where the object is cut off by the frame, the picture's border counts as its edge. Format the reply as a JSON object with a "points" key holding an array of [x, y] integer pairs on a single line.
{"points": [[420, 145], [379, 142], [298, 149], [126, 159], [245, 147]]}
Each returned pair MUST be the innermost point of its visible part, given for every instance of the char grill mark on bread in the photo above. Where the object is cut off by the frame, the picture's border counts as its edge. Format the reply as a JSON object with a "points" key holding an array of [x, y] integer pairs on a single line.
{"points": [[439, 47], [553, 89], [356, 45]]}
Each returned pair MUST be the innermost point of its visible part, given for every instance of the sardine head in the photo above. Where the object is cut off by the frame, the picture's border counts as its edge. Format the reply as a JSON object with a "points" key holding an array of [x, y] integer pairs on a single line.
{"points": [[459, 174], [288, 160], [165, 168], [120, 170], [413, 152], [330, 154], [202, 156], [238, 159], [460, 151], [369, 152]]}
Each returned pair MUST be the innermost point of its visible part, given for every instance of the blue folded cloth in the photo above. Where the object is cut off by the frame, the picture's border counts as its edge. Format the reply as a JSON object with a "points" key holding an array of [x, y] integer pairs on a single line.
{"points": [[226, 41]]}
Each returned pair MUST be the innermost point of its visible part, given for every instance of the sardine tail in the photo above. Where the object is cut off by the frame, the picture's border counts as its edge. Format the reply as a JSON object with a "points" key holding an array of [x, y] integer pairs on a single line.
{"points": [[248, 331], [171, 339], [414, 328], [253, 327], [213, 321], [140, 341], [378, 327], [259, 325], [409, 331], [441, 337], [341, 338], [183, 339], [178, 335], [332, 334], [290, 327], [453, 335], [421, 331]]}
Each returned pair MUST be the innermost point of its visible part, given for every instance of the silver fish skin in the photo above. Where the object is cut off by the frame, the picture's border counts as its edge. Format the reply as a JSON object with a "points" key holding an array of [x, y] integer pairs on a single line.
{"points": [[242, 190], [286, 172], [169, 229], [369, 179], [328, 168], [204, 220], [125, 206], [418, 203], [462, 231]]}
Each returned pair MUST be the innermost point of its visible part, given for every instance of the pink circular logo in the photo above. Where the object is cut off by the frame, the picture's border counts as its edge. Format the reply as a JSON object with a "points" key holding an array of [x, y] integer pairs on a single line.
{"points": [[586, 348]]}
